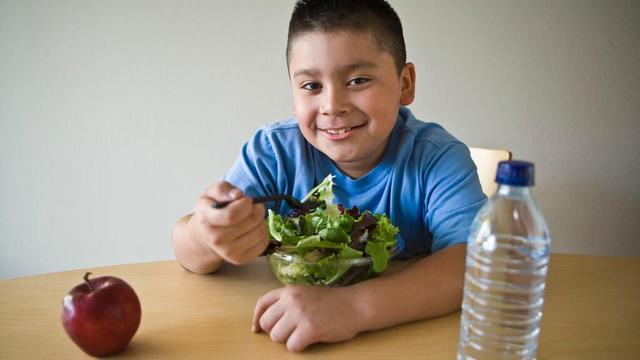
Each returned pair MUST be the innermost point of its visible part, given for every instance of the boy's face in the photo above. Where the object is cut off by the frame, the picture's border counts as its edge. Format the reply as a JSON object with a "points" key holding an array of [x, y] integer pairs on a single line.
{"points": [[346, 96]]}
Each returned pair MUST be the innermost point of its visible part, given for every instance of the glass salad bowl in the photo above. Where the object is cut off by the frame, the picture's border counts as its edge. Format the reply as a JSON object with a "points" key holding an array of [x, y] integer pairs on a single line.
{"points": [[293, 269]]}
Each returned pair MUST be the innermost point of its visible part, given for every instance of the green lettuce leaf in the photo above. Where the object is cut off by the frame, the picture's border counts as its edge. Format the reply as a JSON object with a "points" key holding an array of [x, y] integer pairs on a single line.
{"points": [[324, 192]]}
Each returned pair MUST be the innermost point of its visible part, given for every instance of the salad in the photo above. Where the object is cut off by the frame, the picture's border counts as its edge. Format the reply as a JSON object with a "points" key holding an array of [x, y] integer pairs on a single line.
{"points": [[329, 245]]}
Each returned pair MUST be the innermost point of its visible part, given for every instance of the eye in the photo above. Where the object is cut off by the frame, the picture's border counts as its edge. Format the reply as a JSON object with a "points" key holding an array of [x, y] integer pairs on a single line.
{"points": [[311, 86], [357, 81]]}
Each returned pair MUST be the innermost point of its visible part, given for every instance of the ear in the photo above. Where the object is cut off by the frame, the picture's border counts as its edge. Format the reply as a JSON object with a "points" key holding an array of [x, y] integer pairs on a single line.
{"points": [[408, 80]]}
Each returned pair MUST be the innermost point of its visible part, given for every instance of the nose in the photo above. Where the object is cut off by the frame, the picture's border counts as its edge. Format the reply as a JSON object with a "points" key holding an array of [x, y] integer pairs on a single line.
{"points": [[335, 101]]}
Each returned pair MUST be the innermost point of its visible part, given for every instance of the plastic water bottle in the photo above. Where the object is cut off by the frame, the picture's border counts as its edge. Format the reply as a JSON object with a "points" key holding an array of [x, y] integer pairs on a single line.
{"points": [[506, 269]]}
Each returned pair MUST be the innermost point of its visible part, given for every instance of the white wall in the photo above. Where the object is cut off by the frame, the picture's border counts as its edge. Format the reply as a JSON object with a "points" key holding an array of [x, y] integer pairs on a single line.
{"points": [[114, 115]]}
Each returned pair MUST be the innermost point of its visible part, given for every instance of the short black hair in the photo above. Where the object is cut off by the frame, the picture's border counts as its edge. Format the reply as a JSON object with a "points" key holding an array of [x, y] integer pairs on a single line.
{"points": [[376, 16]]}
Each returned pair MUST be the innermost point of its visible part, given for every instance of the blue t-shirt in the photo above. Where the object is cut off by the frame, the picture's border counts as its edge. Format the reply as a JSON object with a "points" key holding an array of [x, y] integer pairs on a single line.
{"points": [[426, 181]]}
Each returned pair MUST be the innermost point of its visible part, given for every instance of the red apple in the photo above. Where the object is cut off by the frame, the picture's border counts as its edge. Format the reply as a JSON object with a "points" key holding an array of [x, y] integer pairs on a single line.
{"points": [[101, 315]]}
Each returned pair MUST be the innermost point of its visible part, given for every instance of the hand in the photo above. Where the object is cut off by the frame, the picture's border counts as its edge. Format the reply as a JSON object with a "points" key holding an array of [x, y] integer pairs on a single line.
{"points": [[237, 233], [302, 315]]}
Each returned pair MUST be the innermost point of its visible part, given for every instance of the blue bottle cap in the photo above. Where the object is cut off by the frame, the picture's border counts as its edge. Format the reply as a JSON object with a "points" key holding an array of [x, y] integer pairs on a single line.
{"points": [[515, 172]]}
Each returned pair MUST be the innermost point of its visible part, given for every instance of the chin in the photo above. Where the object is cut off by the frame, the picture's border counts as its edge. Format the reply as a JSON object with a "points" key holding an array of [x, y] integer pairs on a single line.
{"points": [[341, 158]]}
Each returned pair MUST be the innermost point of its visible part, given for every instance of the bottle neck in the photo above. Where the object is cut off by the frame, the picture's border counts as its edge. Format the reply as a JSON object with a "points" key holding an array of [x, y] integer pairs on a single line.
{"points": [[511, 190]]}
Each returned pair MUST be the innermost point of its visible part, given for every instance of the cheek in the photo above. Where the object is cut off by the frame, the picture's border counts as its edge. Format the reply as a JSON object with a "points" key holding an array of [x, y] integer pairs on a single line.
{"points": [[305, 121], [384, 99], [376, 100], [304, 112], [307, 132], [299, 106]]}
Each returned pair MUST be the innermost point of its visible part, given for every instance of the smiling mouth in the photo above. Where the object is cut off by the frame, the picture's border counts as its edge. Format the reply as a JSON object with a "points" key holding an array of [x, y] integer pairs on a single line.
{"points": [[340, 131]]}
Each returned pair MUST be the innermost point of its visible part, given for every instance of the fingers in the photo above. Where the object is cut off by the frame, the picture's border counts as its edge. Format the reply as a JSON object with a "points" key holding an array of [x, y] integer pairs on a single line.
{"points": [[222, 191], [298, 340], [288, 316], [244, 247], [237, 232], [234, 213], [237, 209], [282, 329], [270, 316], [262, 305], [261, 234]]}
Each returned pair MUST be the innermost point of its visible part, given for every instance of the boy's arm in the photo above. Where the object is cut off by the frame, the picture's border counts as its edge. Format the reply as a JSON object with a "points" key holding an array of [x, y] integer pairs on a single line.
{"points": [[302, 315], [430, 287]]}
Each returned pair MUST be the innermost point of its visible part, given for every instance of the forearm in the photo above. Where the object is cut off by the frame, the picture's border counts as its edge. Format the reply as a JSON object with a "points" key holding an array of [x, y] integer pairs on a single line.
{"points": [[428, 288], [191, 253]]}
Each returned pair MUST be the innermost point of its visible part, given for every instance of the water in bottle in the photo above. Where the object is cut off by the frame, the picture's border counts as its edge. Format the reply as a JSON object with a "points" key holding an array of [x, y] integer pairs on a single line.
{"points": [[506, 268]]}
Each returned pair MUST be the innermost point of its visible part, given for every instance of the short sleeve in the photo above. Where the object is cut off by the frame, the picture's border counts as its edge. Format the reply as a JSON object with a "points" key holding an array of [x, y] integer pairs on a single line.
{"points": [[254, 171], [453, 198]]}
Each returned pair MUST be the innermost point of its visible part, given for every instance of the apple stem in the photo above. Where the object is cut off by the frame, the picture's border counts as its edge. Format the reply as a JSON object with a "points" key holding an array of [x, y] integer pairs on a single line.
{"points": [[86, 279]]}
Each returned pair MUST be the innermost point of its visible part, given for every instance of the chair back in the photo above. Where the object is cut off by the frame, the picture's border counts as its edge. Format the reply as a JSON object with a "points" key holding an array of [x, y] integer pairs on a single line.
{"points": [[487, 163]]}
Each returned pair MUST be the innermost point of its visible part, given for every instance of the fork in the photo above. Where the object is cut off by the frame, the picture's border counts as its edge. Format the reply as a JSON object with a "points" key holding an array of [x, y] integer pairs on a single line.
{"points": [[293, 202]]}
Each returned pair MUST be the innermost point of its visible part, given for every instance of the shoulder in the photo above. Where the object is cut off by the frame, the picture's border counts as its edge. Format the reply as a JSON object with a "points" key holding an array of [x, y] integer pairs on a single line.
{"points": [[276, 136], [426, 132], [281, 129], [268, 158], [429, 140]]}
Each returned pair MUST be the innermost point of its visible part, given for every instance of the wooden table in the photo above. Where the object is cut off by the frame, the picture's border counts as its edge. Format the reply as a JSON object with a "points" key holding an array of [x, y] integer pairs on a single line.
{"points": [[592, 311]]}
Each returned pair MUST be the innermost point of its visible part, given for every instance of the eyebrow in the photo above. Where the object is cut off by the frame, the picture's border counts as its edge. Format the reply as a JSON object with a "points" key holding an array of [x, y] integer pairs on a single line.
{"points": [[346, 68]]}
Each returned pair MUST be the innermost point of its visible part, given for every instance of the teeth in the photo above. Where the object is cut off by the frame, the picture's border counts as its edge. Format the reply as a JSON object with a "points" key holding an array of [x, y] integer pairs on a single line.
{"points": [[338, 131]]}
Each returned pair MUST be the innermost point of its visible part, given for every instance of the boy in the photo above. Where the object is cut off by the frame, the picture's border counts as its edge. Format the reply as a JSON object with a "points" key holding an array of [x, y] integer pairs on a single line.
{"points": [[350, 82]]}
